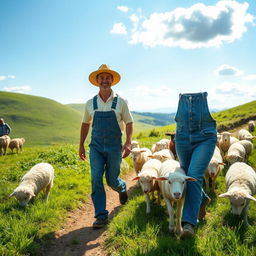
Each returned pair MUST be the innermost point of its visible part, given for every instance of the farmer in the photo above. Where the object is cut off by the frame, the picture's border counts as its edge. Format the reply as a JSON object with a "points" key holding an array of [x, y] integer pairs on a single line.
{"points": [[109, 113], [5, 129]]}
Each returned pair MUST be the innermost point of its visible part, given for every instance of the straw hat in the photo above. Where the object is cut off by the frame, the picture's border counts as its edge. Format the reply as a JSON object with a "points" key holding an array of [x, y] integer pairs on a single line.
{"points": [[104, 69]]}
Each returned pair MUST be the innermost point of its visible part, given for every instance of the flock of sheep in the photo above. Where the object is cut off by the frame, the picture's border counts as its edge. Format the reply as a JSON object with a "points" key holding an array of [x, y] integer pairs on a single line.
{"points": [[6, 142], [158, 170]]}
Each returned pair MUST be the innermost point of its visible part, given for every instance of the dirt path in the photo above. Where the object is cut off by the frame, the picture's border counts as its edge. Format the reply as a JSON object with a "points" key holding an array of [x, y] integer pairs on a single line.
{"points": [[78, 238]]}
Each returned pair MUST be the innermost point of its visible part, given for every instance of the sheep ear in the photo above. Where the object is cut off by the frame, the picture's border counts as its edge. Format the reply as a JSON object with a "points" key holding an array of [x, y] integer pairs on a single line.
{"points": [[150, 156], [165, 157], [136, 178], [250, 197], [227, 194], [12, 194], [142, 150], [161, 178], [31, 193], [221, 164], [188, 178], [154, 178]]}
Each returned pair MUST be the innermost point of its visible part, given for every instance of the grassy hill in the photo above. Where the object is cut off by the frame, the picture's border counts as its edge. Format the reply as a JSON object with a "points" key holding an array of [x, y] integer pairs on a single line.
{"points": [[39, 120]]}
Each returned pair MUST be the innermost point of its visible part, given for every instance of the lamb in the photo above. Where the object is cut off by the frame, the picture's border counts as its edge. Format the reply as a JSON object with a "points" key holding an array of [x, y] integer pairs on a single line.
{"points": [[162, 144], [241, 186], [243, 134], [248, 146], [225, 141], [134, 144], [146, 178], [172, 186], [4, 143], [236, 153], [215, 166], [17, 143], [139, 157], [163, 155], [39, 177], [251, 126]]}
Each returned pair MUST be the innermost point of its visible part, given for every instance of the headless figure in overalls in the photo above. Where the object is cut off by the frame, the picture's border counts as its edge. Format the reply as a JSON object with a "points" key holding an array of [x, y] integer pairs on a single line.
{"points": [[195, 139], [106, 142]]}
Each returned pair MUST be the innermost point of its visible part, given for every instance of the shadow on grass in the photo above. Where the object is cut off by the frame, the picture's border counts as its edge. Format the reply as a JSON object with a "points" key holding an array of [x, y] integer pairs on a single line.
{"points": [[76, 242]]}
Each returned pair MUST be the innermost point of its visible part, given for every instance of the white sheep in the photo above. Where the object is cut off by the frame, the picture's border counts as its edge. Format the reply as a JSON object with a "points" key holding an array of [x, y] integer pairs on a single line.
{"points": [[135, 144], [146, 178], [17, 144], [162, 144], [243, 134], [251, 126], [39, 177], [248, 146], [214, 168], [241, 186], [172, 182], [4, 143], [163, 155], [236, 153]]}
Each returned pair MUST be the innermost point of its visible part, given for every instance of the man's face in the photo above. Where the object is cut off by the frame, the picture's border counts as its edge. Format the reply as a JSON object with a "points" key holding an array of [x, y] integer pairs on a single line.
{"points": [[104, 81]]}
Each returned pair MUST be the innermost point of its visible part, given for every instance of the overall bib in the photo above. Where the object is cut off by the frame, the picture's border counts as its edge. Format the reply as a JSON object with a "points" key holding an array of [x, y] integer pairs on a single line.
{"points": [[105, 156], [195, 139]]}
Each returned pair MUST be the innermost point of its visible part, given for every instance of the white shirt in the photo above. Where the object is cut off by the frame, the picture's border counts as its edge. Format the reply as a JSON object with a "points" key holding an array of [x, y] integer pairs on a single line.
{"points": [[123, 114]]}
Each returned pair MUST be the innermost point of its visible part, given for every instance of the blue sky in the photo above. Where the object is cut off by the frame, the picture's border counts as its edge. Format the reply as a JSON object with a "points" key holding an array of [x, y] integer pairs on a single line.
{"points": [[160, 47]]}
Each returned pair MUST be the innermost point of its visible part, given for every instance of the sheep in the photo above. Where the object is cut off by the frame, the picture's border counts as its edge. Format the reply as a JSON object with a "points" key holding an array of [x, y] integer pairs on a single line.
{"points": [[134, 144], [248, 146], [17, 143], [162, 144], [146, 178], [172, 143], [4, 143], [241, 186], [139, 157], [225, 141], [163, 155], [236, 153], [215, 166], [251, 126], [39, 177], [172, 186], [243, 134]]}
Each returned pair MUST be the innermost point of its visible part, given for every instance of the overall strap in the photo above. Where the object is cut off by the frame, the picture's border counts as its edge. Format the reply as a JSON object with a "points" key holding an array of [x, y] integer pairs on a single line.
{"points": [[95, 104], [114, 103]]}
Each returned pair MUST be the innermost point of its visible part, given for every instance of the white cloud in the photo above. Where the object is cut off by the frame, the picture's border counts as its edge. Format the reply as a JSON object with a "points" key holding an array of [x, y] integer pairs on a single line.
{"points": [[194, 27], [6, 77], [119, 28], [20, 89], [122, 8], [227, 70], [250, 77], [228, 95]]}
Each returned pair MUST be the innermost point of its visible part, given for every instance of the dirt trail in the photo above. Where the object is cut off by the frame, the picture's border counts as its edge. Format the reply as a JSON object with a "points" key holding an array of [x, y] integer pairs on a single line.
{"points": [[78, 238]]}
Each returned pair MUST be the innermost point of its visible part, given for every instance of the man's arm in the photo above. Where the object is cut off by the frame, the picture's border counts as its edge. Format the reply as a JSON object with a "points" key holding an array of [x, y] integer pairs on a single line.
{"points": [[127, 145], [83, 134]]}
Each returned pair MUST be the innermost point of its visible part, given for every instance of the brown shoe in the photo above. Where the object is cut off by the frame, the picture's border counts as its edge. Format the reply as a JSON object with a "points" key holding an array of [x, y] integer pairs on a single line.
{"points": [[202, 210], [187, 232]]}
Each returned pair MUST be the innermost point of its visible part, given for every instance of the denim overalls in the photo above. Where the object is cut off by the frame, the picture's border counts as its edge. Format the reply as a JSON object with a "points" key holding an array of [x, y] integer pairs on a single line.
{"points": [[105, 155], [196, 137]]}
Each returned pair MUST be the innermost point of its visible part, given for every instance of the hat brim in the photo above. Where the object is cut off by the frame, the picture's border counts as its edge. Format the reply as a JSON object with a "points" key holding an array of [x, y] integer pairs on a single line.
{"points": [[93, 76]]}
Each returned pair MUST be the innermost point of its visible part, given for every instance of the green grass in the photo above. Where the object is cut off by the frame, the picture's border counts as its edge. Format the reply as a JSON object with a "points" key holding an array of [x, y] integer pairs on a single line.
{"points": [[23, 230], [133, 232]]}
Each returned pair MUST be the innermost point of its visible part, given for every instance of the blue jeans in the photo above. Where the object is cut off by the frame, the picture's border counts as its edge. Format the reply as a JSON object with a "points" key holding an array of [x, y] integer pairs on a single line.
{"points": [[195, 140], [108, 162]]}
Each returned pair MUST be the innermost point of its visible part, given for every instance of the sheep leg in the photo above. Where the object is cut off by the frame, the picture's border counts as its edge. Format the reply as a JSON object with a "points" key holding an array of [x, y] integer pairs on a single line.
{"points": [[245, 215], [47, 191], [158, 197], [207, 188], [171, 213], [178, 216], [147, 199], [213, 184]]}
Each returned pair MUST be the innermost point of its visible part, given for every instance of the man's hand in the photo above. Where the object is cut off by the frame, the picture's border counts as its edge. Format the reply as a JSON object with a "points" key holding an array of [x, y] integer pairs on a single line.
{"points": [[82, 154], [126, 149]]}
